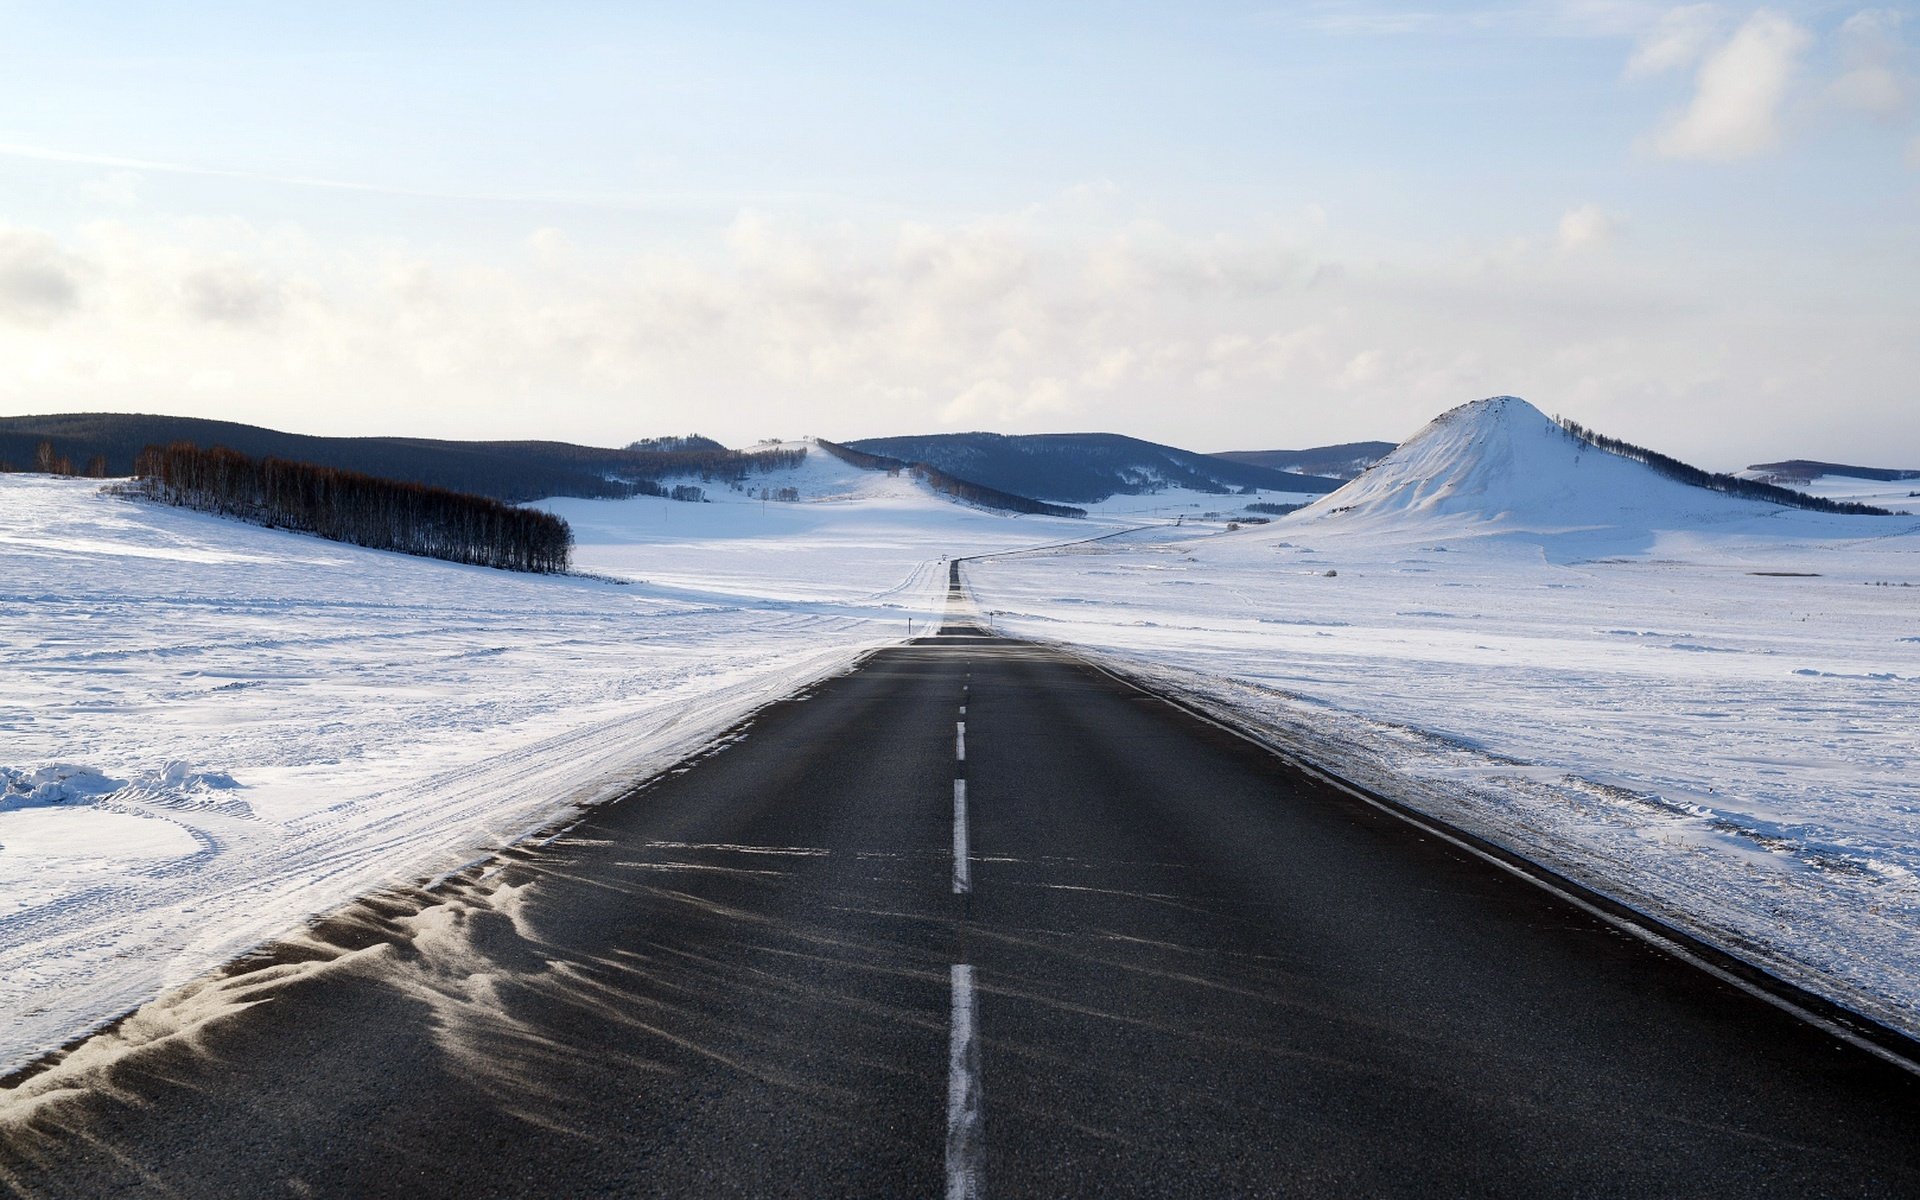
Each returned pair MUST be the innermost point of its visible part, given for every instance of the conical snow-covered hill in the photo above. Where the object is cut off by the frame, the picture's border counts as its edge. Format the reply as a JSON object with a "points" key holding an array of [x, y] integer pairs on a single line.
{"points": [[1501, 462]]}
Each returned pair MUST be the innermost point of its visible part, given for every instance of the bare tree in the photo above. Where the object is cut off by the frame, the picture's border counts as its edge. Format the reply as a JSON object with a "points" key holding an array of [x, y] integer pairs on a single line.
{"points": [[347, 506]]}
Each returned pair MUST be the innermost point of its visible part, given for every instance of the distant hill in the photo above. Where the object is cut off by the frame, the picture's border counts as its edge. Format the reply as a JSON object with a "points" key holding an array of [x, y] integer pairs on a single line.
{"points": [[1804, 470], [1343, 461], [1084, 468], [1502, 461], [514, 472], [964, 490]]}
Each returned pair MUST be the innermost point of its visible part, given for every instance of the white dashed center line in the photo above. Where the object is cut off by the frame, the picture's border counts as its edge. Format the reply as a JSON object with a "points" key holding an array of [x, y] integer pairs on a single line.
{"points": [[964, 1111], [962, 874]]}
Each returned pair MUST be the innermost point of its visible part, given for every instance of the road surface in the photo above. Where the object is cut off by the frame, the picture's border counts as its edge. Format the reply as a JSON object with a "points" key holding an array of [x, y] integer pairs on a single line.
{"points": [[976, 918]]}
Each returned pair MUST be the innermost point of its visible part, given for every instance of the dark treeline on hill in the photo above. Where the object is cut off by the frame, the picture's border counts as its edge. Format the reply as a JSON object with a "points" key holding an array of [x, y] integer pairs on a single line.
{"points": [[514, 472], [951, 485], [1804, 470], [666, 445], [347, 506], [1732, 485], [713, 466], [1085, 467], [1343, 461]]}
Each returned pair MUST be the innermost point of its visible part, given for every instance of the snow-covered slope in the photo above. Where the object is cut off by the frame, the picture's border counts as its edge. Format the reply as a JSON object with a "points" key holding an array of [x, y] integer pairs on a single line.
{"points": [[819, 476]]}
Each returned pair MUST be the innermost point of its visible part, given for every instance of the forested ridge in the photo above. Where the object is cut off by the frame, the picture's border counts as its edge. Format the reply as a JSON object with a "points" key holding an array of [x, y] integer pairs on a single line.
{"points": [[509, 471], [1084, 467], [1342, 461], [1804, 470], [1732, 485], [349, 506], [711, 466]]}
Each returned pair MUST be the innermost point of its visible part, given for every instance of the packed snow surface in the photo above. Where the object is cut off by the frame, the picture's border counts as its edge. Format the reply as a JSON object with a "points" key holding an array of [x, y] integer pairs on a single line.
{"points": [[212, 731], [1703, 706]]}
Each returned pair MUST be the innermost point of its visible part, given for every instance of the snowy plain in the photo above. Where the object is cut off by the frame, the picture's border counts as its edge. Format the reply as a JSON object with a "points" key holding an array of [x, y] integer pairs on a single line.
{"points": [[1705, 707], [210, 731]]}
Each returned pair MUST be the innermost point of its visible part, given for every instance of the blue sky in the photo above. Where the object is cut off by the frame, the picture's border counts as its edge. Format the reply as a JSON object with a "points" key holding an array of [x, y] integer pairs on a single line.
{"points": [[1222, 226]]}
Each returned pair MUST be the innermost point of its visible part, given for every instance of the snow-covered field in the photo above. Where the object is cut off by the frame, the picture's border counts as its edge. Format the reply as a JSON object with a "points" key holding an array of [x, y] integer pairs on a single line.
{"points": [[1898, 495], [1184, 505], [211, 731], [1706, 707]]}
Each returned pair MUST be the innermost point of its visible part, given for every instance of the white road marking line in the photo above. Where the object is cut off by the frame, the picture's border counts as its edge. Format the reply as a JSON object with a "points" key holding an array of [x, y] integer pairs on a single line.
{"points": [[962, 872], [960, 740], [963, 710], [965, 1116]]}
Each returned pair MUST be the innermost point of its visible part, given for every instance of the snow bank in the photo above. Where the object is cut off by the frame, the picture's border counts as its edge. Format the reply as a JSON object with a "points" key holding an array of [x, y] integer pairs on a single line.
{"points": [[55, 783]]}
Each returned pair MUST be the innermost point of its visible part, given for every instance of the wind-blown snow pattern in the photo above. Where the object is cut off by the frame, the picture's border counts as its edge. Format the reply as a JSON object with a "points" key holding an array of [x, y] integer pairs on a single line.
{"points": [[212, 731], [1704, 706]]}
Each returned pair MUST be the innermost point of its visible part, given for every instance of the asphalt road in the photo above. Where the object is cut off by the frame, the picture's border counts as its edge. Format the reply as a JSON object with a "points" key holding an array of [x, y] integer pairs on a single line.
{"points": [[1164, 965]]}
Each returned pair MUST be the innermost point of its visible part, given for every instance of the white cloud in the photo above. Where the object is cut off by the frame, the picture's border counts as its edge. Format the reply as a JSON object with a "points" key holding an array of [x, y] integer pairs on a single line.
{"points": [[39, 279], [1676, 40], [1020, 322], [232, 294], [1739, 91], [1874, 79], [1588, 225]]}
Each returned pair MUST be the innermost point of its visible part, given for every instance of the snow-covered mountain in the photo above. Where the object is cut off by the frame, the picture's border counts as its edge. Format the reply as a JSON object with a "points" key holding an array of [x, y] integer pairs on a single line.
{"points": [[1501, 462]]}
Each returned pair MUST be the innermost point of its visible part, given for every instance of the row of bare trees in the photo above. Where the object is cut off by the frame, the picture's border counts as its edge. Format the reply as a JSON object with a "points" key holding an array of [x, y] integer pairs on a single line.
{"points": [[1732, 485], [347, 506], [49, 461]]}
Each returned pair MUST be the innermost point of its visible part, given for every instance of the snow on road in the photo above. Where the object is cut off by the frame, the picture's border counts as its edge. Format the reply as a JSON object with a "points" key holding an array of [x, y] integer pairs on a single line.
{"points": [[1708, 708], [212, 731]]}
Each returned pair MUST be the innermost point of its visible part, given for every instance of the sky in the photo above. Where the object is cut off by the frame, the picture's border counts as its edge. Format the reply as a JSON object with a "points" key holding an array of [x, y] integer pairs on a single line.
{"points": [[1223, 226]]}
